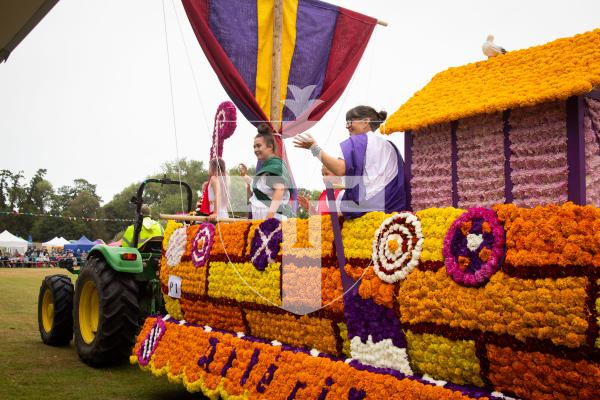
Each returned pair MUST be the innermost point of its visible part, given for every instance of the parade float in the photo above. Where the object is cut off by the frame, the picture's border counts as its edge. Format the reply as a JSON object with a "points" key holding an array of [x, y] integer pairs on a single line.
{"points": [[487, 288]]}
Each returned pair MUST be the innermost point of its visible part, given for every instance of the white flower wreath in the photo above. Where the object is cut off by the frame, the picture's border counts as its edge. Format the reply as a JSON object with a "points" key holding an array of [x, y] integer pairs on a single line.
{"points": [[390, 262]]}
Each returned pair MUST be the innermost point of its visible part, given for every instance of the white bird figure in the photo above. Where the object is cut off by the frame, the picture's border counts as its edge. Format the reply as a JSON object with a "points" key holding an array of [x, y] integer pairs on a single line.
{"points": [[490, 49]]}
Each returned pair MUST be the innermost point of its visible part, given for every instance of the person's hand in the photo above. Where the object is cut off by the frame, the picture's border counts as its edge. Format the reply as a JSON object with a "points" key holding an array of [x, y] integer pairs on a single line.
{"points": [[270, 215], [212, 217], [304, 141]]}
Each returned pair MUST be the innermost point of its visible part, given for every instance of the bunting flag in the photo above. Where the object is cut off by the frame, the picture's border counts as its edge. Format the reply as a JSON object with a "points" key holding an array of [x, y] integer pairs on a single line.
{"points": [[69, 218], [321, 47]]}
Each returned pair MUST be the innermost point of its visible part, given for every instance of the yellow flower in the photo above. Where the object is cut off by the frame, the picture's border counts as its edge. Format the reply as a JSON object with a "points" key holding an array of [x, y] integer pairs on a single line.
{"points": [[357, 234], [505, 305], [173, 307], [244, 283], [435, 222], [521, 78]]}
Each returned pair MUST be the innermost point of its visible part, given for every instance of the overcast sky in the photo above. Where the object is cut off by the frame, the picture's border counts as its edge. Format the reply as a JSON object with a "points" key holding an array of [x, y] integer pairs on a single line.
{"points": [[87, 93]]}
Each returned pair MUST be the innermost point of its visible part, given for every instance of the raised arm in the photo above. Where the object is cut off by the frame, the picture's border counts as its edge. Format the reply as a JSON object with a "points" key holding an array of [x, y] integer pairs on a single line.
{"points": [[335, 165]]}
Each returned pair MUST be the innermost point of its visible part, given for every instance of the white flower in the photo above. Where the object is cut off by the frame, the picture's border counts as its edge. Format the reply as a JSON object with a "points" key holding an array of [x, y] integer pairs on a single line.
{"points": [[382, 354], [392, 265], [314, 352], [207, 328], [502, 396], [176, 247], [474, 240], [434, 381], [276, 343]]}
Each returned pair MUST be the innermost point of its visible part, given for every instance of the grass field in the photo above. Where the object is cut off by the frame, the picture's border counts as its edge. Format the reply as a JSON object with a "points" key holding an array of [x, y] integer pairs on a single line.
{"points": [[31, 370]]}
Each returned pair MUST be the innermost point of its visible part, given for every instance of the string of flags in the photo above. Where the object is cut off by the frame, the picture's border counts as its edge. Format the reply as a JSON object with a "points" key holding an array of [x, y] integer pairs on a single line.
{"points": [[68, 218]]}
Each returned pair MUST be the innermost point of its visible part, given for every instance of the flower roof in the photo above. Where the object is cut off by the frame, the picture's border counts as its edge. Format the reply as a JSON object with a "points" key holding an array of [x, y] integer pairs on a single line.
{"points": [[521, 78]]}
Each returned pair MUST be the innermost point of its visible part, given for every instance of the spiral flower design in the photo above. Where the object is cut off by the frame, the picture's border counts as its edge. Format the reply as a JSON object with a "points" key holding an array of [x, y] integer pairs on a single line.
{"points": [[397, 246], [202, 244]]}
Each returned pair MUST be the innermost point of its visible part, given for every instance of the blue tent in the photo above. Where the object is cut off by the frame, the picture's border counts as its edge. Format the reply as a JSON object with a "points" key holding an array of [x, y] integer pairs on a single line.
{"points": [[83, 244]]}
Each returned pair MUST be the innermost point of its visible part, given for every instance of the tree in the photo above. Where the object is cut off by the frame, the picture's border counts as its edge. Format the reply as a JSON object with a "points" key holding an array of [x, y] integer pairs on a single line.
{"points": [[12, 198], [119, 207], [168, 199], [37, 194], [77, 205], [5, 176], [16, 191], [162, 199]]}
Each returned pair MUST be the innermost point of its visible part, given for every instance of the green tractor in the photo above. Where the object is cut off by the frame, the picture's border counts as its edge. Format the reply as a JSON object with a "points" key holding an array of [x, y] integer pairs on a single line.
{"points": [[116, 289]]}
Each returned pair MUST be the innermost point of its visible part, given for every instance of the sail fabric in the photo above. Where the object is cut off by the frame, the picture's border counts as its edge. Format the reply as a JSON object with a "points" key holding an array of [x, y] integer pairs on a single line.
{"points": [[322, 45]]}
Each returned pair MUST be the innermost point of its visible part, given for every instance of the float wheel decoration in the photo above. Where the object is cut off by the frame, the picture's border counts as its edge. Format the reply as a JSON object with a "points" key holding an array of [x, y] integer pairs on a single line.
{"points": [[397, 246], [203, 242], [265, 243], [150, 343], [474, 247], [176, 248]]}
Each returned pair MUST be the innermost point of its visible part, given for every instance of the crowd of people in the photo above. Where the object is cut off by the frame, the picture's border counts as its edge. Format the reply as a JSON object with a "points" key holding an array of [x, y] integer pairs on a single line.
{"points": [[368, 176], [50, 257]]}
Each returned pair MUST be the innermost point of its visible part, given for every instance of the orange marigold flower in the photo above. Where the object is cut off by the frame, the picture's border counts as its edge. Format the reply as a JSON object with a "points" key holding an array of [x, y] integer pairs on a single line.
{"points": [[485, 254], [463, 262], [465, 227]]}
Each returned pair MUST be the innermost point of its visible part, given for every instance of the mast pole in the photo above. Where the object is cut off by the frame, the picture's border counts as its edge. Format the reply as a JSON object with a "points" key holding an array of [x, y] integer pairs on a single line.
{"points": [[276, 74]]}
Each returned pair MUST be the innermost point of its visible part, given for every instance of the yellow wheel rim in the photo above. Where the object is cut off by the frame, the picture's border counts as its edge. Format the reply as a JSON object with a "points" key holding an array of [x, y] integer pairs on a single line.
{"points": [[89, 311], [47, 310]]}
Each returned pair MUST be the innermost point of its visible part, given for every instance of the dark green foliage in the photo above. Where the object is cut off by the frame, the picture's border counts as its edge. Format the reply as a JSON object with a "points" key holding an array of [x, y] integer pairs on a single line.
{"points": [[79, 206]]}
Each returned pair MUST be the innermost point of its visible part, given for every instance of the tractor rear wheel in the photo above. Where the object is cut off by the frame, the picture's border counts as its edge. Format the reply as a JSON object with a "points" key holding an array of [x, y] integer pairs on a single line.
{"points": [[106, 314], [55, 305]]}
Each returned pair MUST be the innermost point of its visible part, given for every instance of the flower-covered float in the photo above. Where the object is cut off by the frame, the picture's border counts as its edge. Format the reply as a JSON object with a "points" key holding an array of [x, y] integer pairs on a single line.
{"points": [[442, 303], [521, 128], [469, 296]]}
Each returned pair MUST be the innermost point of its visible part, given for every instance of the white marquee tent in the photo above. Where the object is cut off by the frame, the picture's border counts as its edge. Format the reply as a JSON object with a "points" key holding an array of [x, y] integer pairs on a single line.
{"points": [[11, 243], [55, 242]]}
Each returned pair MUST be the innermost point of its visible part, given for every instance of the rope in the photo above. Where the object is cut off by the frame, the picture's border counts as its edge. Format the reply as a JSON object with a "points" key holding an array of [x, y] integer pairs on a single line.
{"points": [[348, 89], [189, 61], [371, 66], [197, 90], [172, 104], [335, 121]]}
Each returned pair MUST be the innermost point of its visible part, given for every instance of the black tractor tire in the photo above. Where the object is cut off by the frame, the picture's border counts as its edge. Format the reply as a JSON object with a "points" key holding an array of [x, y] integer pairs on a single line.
{"points": [[55, 310], [106, 314]]}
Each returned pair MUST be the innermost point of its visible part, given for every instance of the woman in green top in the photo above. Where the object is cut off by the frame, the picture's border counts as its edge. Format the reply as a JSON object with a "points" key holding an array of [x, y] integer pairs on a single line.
{"points": [[271, 187]]}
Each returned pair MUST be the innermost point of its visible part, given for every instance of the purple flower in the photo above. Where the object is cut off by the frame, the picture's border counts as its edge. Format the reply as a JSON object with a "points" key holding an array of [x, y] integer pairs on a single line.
{"points": [[202, 244], [463, 251], [265, 243]]}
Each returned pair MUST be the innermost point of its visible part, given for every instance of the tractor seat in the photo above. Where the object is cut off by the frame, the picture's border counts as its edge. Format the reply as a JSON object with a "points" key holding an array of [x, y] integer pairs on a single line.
{"points": [[152, 245]]}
